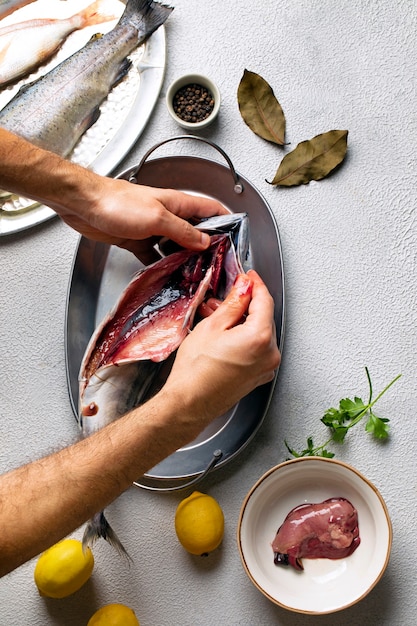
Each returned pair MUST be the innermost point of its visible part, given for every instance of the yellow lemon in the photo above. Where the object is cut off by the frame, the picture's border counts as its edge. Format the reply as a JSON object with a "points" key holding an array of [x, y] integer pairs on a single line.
{"points": [[199, 523], [114, 615], [63, 569]]}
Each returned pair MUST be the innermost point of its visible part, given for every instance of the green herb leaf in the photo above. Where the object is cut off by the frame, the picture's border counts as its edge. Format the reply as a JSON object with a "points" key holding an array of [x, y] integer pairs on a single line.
{"points": [[326, 454], [333, 417], [292, 451], [310, 450], [377, 426], [352, 408], [339, 433], [260, 109], [312, 160], [341, 420], [310, 447]]}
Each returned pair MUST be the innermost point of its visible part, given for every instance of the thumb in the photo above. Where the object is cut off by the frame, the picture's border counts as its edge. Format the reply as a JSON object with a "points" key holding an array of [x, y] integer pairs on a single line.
{"points": [[183, 233], [234, 307]]}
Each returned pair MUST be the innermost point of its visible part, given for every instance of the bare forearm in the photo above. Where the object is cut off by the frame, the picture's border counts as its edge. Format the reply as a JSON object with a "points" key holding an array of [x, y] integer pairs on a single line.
{"points": [[104, 209], [46, 500], [41, 175]]}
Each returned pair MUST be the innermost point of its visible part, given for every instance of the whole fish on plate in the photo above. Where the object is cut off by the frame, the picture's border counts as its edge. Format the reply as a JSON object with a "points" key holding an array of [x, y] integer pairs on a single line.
{"points": [[26, 45], [122, 364], [9, 6], [54, 111]]}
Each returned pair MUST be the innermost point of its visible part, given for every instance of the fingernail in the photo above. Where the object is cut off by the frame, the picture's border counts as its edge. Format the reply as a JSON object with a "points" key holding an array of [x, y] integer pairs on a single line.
{"points": [[205, 239], [243, 284]]}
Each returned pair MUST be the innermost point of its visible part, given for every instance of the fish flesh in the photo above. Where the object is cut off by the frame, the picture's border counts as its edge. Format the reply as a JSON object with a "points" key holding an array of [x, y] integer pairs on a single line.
{"points": [[9, 6], [54, 111], [26, 45], [327, 529], [152, 317], [128, 357]]}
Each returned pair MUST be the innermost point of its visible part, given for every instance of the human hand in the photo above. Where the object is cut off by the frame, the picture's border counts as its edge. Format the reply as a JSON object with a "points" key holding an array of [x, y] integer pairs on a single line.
{"points": [[111, 210], [134, 217], [227, 354]]}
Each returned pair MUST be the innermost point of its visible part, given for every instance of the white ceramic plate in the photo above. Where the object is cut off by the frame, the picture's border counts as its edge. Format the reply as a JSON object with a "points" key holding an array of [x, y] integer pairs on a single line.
{"points": [[325, 585], [123, 115]]}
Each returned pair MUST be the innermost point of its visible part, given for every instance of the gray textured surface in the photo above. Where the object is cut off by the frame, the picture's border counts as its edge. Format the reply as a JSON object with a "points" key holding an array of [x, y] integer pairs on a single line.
{"points": [[349, 245]]}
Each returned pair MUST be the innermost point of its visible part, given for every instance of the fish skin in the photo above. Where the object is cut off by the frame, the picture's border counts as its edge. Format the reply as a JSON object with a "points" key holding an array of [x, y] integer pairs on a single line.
{"points": [[54, 111], [26, 45], [10, 6], [150, 320], [153, 316], [115, 376]]}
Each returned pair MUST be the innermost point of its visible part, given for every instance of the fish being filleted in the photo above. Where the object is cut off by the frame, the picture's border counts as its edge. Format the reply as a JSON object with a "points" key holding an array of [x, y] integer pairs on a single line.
{"points": [[9, 6], [54, 111], [127, 359], [26, 45]]}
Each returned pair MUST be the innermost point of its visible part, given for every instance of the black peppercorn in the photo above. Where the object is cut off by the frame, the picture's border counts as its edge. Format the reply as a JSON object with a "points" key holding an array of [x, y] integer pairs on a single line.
{"points": [[193, 103]]}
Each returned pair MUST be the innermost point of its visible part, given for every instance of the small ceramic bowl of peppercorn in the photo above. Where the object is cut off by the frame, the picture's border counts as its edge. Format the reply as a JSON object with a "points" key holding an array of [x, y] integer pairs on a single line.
{"points": [[314, 535], [193, 101]]}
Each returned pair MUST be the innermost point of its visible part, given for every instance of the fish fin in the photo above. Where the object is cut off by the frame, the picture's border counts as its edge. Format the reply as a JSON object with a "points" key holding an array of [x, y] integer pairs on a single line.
{"points": [[146, 15], [4, 50], [92, 15], [23, 88], [123, 70], [91, 118], [98, 527]]}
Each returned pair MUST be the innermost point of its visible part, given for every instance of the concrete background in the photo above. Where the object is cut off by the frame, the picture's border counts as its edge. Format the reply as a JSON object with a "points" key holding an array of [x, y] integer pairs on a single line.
{"points": [[349, 246]]}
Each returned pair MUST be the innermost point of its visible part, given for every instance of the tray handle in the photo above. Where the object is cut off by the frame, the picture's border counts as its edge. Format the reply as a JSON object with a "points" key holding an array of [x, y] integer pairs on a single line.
{"points": [[238, 187], [217, 455]]}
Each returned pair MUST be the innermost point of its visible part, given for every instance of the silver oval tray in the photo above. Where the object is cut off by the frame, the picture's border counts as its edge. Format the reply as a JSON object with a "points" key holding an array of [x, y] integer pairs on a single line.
{"points": [[123, 115], [100, 273]]}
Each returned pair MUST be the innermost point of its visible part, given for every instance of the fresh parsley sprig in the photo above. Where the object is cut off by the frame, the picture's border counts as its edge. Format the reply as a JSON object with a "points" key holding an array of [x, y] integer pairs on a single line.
{"points": [[342, 419]]}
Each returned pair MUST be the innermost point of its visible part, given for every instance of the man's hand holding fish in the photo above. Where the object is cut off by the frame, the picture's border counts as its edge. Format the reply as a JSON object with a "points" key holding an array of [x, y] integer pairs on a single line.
{"points": [[105, 209], [134, 216], [218, 364], [226, 356]]}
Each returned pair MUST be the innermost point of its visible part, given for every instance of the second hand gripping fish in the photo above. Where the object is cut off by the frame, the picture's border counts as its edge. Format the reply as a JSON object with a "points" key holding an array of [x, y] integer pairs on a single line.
{"points": [[26, 45], [55, 110], [124, 361]]}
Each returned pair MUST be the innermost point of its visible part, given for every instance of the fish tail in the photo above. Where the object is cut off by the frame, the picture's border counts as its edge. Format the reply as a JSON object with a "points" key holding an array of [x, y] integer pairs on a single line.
{"points": [[146, 15], [92, 14], [98, 527]]}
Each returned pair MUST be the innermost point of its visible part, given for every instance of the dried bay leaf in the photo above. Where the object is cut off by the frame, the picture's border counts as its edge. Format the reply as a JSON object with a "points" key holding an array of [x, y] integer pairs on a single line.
{"points": [[312, 160], [260, 109]]}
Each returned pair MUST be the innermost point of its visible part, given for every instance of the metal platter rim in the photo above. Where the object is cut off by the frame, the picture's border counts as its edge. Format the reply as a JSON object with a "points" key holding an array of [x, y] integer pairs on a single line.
{"points": [[155, 476]]}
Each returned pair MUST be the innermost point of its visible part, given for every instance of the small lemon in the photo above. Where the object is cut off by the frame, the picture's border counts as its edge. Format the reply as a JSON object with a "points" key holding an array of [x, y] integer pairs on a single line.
{"points": [[199, 523], [114, 615], [63, 569]]}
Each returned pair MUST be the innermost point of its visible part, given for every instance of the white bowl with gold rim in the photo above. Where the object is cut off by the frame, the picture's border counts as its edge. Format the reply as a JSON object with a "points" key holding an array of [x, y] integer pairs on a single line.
{"points": [[325, 585]]}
